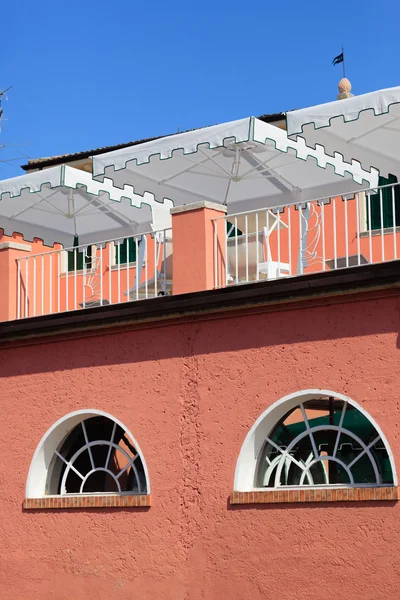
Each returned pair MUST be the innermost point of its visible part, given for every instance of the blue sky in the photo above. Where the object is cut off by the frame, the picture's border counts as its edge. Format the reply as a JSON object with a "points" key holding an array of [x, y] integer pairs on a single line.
{"points": [[94, 73]]}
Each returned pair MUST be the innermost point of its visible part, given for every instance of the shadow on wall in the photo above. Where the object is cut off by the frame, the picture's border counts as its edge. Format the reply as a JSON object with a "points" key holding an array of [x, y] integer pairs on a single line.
{"points": [[210, 336]]}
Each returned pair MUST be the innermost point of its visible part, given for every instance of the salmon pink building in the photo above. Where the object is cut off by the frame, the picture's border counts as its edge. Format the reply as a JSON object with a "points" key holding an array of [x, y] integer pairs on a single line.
{"points": [[207, 409]]}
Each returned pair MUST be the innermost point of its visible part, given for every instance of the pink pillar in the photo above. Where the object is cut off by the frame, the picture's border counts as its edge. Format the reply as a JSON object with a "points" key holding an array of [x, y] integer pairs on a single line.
{"points": [[194, 243], [9, 252]]}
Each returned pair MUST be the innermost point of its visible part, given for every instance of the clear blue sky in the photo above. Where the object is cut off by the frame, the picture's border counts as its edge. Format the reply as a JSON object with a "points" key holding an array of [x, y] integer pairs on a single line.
{"points": [[90, 73]]}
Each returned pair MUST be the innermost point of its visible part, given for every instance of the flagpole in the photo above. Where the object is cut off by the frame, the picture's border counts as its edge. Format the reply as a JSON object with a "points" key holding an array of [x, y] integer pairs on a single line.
{"points": [[344, 70]]}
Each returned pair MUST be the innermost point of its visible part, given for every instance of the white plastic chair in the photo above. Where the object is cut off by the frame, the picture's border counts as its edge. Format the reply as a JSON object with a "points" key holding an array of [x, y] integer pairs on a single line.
{"points": [[273, 269], [249, 257]]}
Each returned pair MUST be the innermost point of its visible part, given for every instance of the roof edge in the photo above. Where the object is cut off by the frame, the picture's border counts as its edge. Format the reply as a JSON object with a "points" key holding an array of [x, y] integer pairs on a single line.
{"points": [[39, 163], [355, 283]]}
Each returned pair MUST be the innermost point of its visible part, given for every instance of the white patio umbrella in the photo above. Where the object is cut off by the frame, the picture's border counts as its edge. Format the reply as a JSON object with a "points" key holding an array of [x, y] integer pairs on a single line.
{"points": [[364, 128], [62, 203], [245, 164]]}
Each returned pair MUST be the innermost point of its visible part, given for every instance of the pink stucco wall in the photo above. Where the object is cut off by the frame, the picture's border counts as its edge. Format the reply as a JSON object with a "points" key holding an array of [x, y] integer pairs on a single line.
{"points": [[40, 287], [189, 393]]}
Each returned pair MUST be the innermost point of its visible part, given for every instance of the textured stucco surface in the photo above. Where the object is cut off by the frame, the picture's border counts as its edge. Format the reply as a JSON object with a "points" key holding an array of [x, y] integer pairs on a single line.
{"points": [[189, 394]]}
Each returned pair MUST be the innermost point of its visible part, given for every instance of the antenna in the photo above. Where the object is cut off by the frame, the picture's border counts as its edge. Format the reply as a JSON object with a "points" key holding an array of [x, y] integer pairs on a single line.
{"points": [[10, 161], [2, 92]]}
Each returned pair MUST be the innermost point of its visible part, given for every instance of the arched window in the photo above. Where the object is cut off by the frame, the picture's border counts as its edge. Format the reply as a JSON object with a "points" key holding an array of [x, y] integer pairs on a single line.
{"points": [[314, 438], [87, 452]]}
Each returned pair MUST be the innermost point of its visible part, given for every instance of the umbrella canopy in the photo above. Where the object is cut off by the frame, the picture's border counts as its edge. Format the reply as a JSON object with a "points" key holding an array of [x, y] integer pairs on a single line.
{"points": [[62, 203], [245, 164], [363, 128]]}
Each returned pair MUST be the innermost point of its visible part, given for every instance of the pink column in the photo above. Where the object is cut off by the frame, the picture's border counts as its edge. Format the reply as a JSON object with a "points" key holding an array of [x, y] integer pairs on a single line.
{"points": [[10, 250], [194, 244]]}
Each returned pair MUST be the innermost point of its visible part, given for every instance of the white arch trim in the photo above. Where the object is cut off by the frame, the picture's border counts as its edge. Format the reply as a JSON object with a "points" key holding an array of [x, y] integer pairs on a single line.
{"points": [[50, 442], [253, 444]]}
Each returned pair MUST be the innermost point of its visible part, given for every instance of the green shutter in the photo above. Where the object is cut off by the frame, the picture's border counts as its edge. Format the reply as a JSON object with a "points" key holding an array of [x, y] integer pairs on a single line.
{"points": [[232, 231], [126, 252], [79, 257], [387, 205]]}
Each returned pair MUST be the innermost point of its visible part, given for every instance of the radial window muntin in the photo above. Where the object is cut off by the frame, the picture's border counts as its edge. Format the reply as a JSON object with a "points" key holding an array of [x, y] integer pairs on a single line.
{"points": [[87, 452], [266, 463], [96, 465]]}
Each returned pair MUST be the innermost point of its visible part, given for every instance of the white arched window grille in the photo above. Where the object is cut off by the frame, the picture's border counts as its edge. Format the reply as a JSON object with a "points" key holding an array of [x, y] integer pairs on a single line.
{"points": [[87, 452], [314, 438]]}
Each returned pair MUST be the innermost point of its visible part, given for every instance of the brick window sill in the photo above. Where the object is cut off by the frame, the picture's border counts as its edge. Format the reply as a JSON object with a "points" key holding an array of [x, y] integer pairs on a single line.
{"points": [[315, 495], [60, 502]]}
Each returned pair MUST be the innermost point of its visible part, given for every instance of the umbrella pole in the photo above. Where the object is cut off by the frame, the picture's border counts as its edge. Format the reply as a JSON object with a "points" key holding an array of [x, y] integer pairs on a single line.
{"points": [[304, 217]]}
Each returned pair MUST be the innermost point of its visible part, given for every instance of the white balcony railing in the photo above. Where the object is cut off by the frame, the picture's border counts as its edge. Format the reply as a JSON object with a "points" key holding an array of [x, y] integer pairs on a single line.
{"points": [[108, 272], [267, 244], [325, 234]]}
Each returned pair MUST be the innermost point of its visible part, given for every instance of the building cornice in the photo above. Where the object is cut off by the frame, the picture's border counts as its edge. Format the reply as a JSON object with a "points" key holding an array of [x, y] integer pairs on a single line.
{"points": [[345, 285]]}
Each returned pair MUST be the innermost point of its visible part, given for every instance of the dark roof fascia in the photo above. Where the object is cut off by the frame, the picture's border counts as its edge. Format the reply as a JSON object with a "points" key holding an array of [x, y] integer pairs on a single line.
{"points": [[291, 292], [66, 158], [272, 118], [52, 161]]}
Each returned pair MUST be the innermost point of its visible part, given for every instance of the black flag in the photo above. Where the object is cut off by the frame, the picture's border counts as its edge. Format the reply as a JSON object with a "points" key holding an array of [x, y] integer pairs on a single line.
{"points": [[338, 59]]}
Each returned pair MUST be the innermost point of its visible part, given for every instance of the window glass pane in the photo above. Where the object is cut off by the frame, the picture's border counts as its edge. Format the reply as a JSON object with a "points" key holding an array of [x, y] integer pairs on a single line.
{"points": [[77, 258], [106, 456], [381, 456], [363, 471], [73, 483], [319, 473], [100, 481], [337, 474], [288, 428], [99, 428], [125, 251], [290, 474], [387, 205], [325, 441], [348, 449], [82, 463], [359, 424], [267, 465], [318, 438]]}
